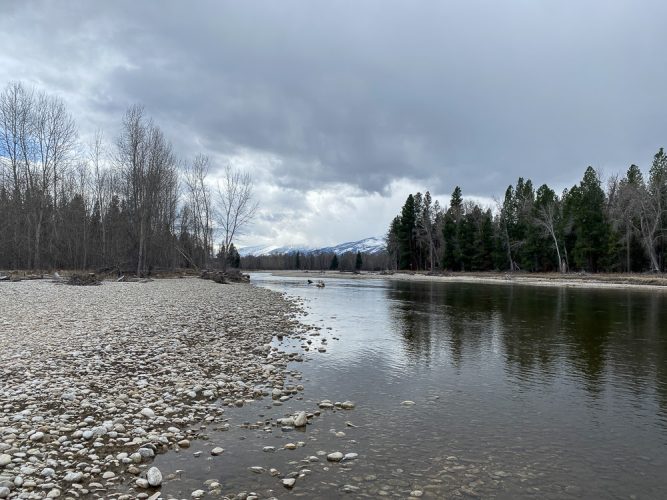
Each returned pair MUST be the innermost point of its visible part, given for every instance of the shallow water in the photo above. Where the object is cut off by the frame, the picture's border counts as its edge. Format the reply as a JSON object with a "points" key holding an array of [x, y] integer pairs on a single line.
{"points": [[519, 392]]}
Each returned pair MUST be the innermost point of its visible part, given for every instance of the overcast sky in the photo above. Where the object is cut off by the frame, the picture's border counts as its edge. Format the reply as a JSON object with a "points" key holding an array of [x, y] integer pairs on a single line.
{"points": [[341, 109]]}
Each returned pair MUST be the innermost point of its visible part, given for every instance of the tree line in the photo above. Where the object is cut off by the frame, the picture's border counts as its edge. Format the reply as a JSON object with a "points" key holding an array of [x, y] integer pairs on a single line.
{"points": [[618, 228], [317, 261], [131, 205]]}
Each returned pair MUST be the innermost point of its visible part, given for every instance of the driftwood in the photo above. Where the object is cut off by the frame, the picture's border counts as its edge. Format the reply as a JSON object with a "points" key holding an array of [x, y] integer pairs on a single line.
{"points": [[83, 280], [224, 277]]}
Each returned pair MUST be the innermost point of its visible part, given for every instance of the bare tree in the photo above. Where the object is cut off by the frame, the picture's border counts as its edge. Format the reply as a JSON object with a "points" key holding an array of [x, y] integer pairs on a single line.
{"points": [[235, 207], [150, 184], [199, 204], [546, 218]]}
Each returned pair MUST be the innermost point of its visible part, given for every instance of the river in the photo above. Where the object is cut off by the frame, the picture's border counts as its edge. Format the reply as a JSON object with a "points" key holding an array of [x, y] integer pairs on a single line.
{"points": [[518, 392]]}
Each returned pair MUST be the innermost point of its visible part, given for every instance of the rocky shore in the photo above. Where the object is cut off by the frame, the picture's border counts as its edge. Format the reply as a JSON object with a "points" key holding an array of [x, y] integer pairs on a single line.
{"points": [[95, 381]]}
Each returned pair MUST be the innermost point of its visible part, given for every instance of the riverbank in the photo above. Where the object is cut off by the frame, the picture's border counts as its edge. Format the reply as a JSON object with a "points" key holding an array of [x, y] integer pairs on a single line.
{"points": [[574, 280], [95, 381]]}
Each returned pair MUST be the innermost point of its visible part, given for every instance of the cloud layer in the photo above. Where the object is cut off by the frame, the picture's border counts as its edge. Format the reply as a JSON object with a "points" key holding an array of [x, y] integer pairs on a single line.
{"points": [[343, 107]]}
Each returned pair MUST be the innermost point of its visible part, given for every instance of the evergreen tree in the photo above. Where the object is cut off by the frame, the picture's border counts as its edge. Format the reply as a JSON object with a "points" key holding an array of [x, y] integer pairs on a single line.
{"points": [[406, 234], [298, 260], [232, 257], [590, 224], [334, 263], [393, 242], [450, 231], [358, 262]]}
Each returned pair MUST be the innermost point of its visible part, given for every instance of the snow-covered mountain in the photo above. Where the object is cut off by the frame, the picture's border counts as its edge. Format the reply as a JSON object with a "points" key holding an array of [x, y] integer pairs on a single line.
{"points": [[372, 245]]}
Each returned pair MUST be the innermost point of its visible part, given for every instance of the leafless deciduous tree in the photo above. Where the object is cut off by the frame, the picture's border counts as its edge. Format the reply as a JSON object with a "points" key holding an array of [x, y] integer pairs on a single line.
{"points": [[197, 209], [148, 171], [236, 206], [546, 218]]}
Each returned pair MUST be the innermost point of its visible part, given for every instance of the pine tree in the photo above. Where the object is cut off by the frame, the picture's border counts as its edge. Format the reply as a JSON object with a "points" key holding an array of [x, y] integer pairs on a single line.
{"points": [[406, 234], [393, 242], [590, 224], [358, 262], [334, 263], [450, 231]]}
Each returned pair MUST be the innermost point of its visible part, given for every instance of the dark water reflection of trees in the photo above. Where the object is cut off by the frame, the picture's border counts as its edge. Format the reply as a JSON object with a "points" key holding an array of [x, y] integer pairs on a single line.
{"points": [[599, 338]]}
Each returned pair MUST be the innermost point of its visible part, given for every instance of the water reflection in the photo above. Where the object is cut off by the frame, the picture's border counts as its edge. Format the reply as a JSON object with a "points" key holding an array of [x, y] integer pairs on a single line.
{"points": [[597, 337]]}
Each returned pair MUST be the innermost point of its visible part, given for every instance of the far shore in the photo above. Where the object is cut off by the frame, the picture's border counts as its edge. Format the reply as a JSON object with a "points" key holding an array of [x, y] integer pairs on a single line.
{"points": [[572, 280]]}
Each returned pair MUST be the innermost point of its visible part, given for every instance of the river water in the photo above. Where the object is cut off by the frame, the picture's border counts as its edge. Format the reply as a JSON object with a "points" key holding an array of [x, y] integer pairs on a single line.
{"points": [[518, 392]]}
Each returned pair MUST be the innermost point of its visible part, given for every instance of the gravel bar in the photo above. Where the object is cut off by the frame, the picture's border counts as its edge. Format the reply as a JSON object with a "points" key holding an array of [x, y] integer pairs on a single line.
{"points": [[94, 381]]}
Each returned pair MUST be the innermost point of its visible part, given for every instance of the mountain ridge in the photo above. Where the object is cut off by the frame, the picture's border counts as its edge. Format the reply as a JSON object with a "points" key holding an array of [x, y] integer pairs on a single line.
{"points": [[371, 245]]}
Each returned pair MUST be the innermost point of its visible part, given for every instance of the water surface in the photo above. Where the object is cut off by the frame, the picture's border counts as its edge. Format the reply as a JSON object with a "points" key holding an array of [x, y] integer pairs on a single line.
{"points": [[518, 391]]}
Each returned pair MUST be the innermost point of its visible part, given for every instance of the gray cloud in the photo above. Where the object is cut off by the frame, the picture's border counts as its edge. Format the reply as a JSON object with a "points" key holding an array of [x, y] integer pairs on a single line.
{"points": [[473, 92]]}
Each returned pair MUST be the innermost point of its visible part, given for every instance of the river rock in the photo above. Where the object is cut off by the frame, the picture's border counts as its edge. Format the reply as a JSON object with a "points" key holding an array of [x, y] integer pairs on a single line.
{"points": [[288, 482], [336, 456], [301, 419], [4, 492], [5, 459], [154, 477], [148, 413], [73, 477], [37, 436]]}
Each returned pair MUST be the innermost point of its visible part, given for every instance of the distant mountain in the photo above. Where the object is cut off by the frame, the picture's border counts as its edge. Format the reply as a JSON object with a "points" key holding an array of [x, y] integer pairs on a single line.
{"points": [[373, 245]]}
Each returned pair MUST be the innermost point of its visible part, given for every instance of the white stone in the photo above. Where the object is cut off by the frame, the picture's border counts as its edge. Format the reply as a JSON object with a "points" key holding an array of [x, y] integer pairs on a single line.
{"points": [[300, 419], [154, 476], [73, 477], [147, 412]]}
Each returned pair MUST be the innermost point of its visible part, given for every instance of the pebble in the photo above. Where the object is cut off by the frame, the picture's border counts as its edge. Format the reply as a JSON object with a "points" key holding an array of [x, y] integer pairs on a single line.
{"points": [[73, 477], [288, 482], [148, 413], [301, 419], [198, 494], [37, 436], [217, 451], [154, 477], [336, 456]]}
